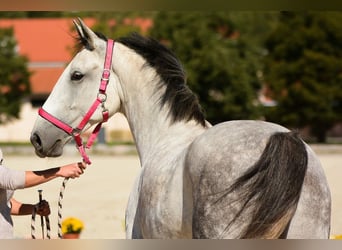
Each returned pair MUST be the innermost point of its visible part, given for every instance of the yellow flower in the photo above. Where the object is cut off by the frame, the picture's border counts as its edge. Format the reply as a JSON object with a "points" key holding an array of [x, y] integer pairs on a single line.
{"points": [[72, 225], [336, 237]]}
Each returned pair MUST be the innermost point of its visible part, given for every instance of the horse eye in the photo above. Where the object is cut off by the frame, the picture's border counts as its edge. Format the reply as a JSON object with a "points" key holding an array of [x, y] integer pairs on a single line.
{"points": [[76, 76]]}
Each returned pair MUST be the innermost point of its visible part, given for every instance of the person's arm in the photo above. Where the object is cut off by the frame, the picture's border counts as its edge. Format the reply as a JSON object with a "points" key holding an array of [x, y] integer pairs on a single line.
{"points": [[73, 170], [18, 208]]}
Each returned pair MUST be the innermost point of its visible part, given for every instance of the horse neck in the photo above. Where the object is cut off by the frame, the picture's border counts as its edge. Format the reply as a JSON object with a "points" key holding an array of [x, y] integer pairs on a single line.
{"points": [[152, 129], [150, 123]]}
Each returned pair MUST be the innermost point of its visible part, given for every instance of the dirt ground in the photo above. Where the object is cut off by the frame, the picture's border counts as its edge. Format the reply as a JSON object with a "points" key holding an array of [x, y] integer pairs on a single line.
{"points": [[99, 197]]}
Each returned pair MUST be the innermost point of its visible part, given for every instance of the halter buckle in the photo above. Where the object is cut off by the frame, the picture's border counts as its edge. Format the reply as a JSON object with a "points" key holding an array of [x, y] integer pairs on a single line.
{"points": [[102, 97], [105, 75]]}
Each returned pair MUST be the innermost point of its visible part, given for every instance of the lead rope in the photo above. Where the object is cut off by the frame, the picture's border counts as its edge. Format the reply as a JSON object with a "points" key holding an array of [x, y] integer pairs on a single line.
{"points": [[61, 195], [48, 229], [33, 223], [47, 220], [33, 227]]}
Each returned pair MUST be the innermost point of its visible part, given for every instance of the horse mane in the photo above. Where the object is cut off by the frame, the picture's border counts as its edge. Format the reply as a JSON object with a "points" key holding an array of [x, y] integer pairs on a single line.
{"points": [[184, 104]]}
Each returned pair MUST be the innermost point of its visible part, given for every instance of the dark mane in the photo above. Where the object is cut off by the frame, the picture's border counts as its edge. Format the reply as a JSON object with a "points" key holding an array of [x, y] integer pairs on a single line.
{"points": [[183, 102]]}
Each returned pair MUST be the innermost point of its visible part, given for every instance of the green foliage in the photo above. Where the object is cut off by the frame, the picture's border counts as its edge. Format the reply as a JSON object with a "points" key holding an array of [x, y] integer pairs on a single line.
{"points": [[32, 14], [118, 24], [14, 77], [304, 70], [220, 61]]}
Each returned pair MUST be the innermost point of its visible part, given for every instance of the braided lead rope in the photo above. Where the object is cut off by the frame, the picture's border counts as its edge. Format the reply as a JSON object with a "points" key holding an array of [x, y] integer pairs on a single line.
{"points": [[48, 229], [47, 220], [33, 225], [61, 194]]}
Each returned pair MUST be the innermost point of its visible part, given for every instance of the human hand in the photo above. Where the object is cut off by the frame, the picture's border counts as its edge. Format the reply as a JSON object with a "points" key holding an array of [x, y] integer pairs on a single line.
{"points": [[43, 208], [72, 170]]}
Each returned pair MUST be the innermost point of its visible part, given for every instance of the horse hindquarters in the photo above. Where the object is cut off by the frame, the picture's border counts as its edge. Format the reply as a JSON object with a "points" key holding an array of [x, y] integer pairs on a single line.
{"points": [[301, 193], [273, 185], [232, 182], [313, 213]]}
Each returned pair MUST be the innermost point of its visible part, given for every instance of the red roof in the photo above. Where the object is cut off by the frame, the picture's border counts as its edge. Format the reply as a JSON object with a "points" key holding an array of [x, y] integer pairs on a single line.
{"points": [[45, 79], [44, 41]]}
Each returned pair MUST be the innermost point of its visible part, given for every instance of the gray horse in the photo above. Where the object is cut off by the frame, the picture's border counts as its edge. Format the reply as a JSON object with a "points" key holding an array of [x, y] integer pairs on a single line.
{"points": [[237, 179]]}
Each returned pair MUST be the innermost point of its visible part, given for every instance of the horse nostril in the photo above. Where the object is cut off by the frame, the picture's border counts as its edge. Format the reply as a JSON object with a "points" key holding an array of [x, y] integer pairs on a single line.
{"points": [[36, 141]]}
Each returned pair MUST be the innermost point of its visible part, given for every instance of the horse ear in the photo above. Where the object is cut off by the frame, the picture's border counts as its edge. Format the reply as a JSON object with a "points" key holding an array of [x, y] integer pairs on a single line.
{"points": [[86, 35]]}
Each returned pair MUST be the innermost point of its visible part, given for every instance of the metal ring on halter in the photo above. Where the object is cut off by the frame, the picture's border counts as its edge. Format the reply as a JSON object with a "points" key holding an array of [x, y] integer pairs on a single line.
{"points": [[75, 132], [102, 97]]}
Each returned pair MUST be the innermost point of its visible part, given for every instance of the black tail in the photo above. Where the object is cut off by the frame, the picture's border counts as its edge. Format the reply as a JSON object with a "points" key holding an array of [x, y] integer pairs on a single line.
{"points": [[273, 185]]}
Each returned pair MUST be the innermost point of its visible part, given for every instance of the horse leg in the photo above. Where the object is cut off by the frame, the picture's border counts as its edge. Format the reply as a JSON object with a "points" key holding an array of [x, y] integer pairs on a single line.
{"points": [[312, 217]]}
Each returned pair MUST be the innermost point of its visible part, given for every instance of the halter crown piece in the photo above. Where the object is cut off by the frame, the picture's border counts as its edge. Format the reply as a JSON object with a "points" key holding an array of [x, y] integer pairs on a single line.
{"points": [[101, 99]]}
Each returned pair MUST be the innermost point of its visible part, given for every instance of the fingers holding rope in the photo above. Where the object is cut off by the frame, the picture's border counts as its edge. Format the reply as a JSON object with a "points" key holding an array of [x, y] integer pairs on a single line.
{"points": [[33, 226], [72, 170], [81, 167], [42, 208]]}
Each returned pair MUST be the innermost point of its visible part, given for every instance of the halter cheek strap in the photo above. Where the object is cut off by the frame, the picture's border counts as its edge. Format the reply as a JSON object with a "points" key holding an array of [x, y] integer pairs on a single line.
{"points": [[100, 99]]}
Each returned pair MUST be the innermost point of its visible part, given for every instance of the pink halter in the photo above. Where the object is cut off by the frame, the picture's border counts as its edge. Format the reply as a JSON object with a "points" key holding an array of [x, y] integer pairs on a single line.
{"points": [[101, 99]]}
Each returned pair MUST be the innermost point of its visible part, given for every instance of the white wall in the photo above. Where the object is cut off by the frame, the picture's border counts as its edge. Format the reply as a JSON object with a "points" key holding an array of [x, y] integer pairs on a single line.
{"points": [[19, 130]]}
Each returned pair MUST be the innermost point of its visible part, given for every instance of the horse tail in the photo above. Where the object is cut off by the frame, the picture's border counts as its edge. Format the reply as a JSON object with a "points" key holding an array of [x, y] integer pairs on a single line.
{"points": [[272, 186]]}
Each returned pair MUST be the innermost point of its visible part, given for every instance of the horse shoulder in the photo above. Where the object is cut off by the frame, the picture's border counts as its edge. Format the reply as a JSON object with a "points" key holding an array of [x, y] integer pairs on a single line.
{"points": [[158, 205]]}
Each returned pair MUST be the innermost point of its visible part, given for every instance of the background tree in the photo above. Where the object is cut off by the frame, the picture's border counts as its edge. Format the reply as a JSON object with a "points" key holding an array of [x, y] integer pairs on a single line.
{"points": [[219, 56], [14, 77], [118, 24], [303, 71]]}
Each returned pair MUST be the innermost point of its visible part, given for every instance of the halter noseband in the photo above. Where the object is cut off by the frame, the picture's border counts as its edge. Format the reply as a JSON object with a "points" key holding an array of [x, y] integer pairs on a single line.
{"points": [[101, 99]]}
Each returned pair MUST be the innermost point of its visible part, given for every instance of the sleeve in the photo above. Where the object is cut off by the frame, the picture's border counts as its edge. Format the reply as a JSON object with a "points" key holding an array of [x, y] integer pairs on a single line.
{"points": [[11, 179]]}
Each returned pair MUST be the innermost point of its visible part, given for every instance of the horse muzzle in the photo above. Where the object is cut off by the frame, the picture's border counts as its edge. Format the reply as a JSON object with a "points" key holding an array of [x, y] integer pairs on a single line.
{"points": [[55, 150]]}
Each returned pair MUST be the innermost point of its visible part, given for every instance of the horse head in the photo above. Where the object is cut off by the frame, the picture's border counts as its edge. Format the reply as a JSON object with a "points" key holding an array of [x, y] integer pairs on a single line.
{"points": [[75, 94]]}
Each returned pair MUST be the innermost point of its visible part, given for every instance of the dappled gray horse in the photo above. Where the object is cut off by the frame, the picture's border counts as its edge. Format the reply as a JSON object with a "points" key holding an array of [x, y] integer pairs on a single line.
{"points": [[238, 179]]}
